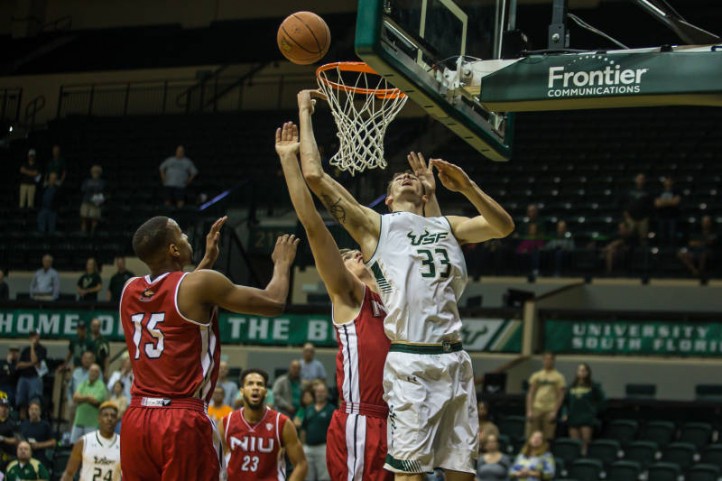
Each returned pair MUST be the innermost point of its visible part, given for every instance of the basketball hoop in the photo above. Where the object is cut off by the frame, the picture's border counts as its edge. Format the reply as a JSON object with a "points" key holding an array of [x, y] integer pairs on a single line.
{"points": [[363, 104]]}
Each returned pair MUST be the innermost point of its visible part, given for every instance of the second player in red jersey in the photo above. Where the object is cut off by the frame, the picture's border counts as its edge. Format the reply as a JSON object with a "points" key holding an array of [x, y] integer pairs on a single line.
{"points": [[356, 439], [171, 332], [256, 438]]}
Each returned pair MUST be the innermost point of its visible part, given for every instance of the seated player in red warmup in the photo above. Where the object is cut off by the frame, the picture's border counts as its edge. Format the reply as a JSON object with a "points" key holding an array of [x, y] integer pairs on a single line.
{"points": [[170, 320], [256, 437]]}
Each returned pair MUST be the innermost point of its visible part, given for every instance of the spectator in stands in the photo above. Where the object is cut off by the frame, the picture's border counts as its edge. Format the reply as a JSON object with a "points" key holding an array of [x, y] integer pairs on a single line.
{"points": [[667, 204], [699, 248], [638, 205], [25, 466], [229, 386], [4, 288], [560, 247], [56, 166], [124, 374], [88, 397], [29, 176], [177, 173], [287, 390], [528, 248], [532, 215], [47, 215], [80, 375], [7, 434], [101, 346], [307, 399], [545, 398], [584, 401], [617, 248], [534, 462], [46, 282], [117, 282], [311, 369], [486, 426], [493, 465], [94, 196], [77, 346], [30, 362], [119, 398], [218, 409], [37, 432], [313, 433], [8, 375], [90, 282]]}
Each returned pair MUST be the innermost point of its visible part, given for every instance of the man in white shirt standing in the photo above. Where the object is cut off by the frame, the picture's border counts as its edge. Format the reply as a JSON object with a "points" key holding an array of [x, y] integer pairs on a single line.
{"points": [[311, 369], [177, 173]]}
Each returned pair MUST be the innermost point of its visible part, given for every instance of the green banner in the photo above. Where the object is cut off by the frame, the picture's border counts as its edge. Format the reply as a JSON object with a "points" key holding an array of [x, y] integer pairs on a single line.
{"points": [[289, 329], [492, 335], [652, 338], [479, 335], [594, 79]]}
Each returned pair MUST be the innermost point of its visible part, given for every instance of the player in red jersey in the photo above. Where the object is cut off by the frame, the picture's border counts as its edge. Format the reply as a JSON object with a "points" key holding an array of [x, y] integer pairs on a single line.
{"points": [[356, 440], [171, 325], [256, 437]]}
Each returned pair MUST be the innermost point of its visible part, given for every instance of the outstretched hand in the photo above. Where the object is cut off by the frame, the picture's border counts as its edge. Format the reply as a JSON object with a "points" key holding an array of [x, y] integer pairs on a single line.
{"points": [[287, 139], [285, 250], [451, 176], [212, 241], [213, 238], [424, 172], [307, 99]]}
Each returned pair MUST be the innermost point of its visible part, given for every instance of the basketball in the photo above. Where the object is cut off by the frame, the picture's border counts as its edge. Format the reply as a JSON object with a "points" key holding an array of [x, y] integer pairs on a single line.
{"points": [[304, 38]]}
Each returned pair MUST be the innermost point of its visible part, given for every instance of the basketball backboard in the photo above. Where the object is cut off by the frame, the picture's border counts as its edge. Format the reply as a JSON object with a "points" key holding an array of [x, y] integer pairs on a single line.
{"points": [[421, 47]]}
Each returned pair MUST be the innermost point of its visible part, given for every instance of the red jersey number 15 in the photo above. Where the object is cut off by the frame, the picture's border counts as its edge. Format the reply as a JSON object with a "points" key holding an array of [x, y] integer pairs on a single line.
{"points": [[149, 322]]}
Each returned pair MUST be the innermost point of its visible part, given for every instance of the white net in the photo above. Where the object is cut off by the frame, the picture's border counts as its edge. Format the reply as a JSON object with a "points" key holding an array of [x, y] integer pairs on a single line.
{"points": [[363, 105]]}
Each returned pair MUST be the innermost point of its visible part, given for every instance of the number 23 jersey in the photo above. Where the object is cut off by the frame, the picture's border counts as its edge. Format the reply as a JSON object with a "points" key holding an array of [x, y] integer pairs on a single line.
{"points": [[256, 451], [420, 271], [172, 356]]}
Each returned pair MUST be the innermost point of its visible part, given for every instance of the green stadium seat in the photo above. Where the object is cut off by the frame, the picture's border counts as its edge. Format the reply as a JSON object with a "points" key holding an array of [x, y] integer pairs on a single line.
{"points": [[664, 472], [698, 434], [681, 454], [712, 454], [643, 452], [702, 472], [605, 450], [624, 471], [567, 449], [586, 470], [622, 430], [660, 432]]}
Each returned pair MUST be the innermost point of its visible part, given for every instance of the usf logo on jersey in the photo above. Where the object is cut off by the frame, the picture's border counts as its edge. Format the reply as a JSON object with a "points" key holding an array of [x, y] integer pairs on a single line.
{"points": [[426, 238]]}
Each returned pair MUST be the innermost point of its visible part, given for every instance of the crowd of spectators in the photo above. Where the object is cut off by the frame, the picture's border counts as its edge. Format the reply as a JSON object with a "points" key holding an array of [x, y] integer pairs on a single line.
{"points": [[649, 222], [45, 284], [42, 188]]}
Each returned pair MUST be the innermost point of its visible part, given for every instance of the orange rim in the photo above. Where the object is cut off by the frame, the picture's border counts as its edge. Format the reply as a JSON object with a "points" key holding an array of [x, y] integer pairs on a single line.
{"points": [[359, 67]]}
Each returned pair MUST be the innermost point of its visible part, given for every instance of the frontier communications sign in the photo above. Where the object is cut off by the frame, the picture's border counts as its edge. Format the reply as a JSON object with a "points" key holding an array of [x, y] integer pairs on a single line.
{"points": [[662, 338], [604, 80]]}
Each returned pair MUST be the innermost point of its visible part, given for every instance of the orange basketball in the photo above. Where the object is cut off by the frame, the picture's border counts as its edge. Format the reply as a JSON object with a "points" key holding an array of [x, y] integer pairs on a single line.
{"points": [[304, 38]]}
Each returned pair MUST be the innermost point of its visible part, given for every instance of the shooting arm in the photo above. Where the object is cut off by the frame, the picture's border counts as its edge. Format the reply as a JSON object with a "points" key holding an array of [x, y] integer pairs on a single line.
{"points": [[362, 224], [338, 280]]}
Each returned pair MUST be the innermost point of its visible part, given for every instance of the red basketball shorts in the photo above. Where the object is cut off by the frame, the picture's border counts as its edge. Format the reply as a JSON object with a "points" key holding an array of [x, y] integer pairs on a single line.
{"points": [[171, 443], [356, 448]]}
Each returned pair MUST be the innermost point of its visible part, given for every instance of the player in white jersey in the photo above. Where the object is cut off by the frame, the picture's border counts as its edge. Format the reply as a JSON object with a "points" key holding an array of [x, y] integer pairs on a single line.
{"points": [[420, 271], [98, 452]]}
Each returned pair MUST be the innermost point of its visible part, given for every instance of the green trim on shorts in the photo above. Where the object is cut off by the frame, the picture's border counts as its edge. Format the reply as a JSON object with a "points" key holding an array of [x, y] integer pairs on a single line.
{"points": [[411, 467], [442, 348]]}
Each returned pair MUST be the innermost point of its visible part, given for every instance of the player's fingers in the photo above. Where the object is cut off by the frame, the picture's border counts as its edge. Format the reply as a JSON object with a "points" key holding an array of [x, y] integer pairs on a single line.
{"points": [[219, 223], [278, 135], [294, 131], [317, 94]]}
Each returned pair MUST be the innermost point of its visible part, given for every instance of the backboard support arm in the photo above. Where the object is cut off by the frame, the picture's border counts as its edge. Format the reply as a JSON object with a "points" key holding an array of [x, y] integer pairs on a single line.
{"points": [[558, 32]]}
